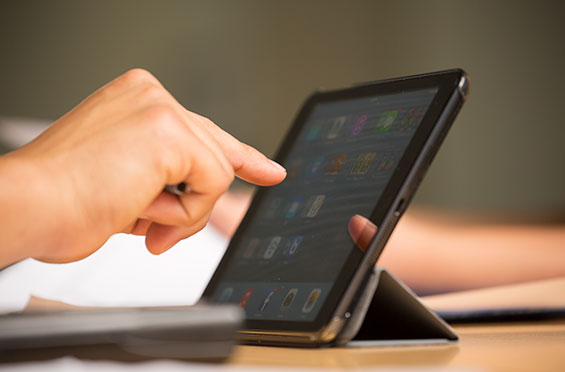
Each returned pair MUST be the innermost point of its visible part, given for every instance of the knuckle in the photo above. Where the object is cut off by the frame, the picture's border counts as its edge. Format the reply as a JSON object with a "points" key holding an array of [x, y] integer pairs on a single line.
{"points": [[224, 186], [152, 92], [188, 220], [200, 225], [163, 126], [208, 122], [168, 136], [196, 222], [230, 176], [244, 152], [249, 150], [223, 181], [218, 186], [160, 116], [139, 75], [195, 226]]}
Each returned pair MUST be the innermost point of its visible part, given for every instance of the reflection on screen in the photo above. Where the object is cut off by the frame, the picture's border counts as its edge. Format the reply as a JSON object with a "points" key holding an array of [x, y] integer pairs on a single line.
{"points": [[288, 258]]}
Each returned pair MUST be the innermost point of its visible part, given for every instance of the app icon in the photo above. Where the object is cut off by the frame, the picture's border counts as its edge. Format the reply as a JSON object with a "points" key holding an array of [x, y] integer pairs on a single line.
{"points": [[381, 122], [293, 207], [363, 163], [386, 163], [225, 296], [251, 247], [386, 120], [407, 120], [311, 301], [316, 166], [245, 298], [337, 126], [314, 204], [289, 299], [272, 247], [336, 164], [292, 245], [314, 131], [359, 124], [267, 299]]}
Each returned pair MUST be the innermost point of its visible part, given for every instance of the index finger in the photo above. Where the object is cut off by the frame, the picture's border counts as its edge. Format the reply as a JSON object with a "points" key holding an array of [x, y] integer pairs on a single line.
{"points": [[248, 163]]}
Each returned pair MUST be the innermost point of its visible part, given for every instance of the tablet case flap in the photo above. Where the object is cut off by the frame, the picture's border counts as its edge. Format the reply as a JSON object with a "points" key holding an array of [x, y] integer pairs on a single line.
{"points": [[389, 313]]}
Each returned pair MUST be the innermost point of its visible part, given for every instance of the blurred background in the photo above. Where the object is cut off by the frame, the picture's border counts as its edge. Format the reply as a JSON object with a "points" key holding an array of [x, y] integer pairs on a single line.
{"points": [[248, 65]]}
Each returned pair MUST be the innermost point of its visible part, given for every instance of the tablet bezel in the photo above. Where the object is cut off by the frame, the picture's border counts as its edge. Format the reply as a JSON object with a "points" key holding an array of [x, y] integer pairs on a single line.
{"points": [[447, 83]]}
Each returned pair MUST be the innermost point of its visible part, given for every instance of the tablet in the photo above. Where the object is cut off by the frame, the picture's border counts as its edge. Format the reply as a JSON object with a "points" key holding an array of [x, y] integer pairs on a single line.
{"points": [[353, 154]]}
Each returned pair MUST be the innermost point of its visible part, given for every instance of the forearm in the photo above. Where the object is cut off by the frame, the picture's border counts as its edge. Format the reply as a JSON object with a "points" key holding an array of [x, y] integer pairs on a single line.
{"points": [[26, 219], [438, 255]]}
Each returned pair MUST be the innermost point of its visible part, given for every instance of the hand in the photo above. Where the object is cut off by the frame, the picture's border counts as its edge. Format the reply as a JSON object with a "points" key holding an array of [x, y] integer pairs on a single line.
{"points": [[229, 211], [101, 169], [362, 231]]}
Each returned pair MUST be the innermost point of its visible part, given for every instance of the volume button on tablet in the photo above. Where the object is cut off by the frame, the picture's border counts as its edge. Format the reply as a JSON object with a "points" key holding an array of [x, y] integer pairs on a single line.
{"points": [[400, 207]]}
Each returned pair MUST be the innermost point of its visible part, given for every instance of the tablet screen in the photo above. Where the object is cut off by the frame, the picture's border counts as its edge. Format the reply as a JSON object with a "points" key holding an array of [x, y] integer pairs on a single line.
{"points": [[286, 260]]}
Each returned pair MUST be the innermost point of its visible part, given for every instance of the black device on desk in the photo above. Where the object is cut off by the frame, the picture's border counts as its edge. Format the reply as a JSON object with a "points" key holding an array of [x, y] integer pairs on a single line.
{"points": [[354, 157]]}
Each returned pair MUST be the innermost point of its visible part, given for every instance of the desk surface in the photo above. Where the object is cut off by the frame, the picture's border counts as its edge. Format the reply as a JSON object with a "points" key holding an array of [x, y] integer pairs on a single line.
{"points": [[498, 347], [533, 346]]}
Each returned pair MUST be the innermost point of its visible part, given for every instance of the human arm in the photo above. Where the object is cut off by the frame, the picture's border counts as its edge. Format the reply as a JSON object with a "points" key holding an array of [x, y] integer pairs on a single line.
{"points": [[437, 252], [101, 169]]}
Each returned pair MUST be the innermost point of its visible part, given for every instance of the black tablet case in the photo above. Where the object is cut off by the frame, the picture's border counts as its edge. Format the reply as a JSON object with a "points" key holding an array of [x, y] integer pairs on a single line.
{"points": [[389, 313]]}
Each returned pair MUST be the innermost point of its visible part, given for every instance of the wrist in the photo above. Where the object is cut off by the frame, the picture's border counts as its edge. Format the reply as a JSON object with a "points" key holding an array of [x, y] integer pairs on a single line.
{"points": [[34, 214], [17, 200]]}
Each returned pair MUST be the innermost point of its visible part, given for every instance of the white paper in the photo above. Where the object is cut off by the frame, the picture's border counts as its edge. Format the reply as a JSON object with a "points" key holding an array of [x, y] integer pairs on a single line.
{"points": [[121, 273]]}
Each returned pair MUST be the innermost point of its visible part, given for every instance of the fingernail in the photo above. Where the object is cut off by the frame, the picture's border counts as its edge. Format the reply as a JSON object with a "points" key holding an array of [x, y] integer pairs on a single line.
{"points": [[277, 165]]}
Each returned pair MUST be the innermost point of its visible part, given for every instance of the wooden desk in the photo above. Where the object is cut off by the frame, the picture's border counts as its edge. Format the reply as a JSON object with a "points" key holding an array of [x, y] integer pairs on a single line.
{"points": [[535, 346]]}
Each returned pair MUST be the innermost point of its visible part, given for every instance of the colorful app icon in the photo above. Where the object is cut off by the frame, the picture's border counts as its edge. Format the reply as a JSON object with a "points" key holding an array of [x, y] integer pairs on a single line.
{"points": [[386, 121], [381, 122], [289, 299], [314, 204], [359, 124], [267, 299], [407, 120], [363, 163], [225, 296], [313, 132], [316, 166], [336, 164], [251, 247], [337, 126], [294, 207], [311, 301], [292, 245], [245, 297], [272, 247]]}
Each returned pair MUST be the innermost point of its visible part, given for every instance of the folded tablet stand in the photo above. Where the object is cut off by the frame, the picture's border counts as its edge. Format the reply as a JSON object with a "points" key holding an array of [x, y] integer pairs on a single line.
{"points": [[389, 313]]}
